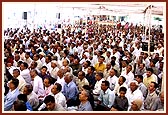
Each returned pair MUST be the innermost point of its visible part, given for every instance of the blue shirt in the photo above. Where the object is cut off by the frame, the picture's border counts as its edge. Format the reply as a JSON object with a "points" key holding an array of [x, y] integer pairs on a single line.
{"points": [[70, 90], [29, 107], [107, 98], [10, 98], [85, 107]]}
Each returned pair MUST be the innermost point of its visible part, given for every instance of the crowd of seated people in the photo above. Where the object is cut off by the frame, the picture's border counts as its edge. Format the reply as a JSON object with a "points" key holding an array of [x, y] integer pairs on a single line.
{"points": [[85, 68]]}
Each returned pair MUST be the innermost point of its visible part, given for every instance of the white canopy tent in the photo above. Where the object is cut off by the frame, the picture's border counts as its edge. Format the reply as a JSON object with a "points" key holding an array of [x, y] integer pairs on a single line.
{"points": [[45, 12]]}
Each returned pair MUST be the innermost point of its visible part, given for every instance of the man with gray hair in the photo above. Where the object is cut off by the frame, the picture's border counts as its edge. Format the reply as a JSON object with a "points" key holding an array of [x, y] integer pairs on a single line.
{"points": [[70, 90]]}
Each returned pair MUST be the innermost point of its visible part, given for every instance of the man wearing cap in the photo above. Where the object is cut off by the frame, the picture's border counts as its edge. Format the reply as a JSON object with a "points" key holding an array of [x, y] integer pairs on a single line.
{"points": [[42, 57], [133, 93], [136, 105], [54, 70]]}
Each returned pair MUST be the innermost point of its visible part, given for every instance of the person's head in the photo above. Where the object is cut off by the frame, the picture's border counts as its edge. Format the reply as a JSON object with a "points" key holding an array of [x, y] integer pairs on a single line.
{"points": [[23, 66], [17, 57], [108, 53], [22, 97], [19, 105], [36, 57], [152, 63], [136, 105], [41, 55], [161, 96], [56, 88], [28, 89], [65, 62], [84, 95], [68, 77], [60, 73], [112, 72], [43, 70], [121, 80], [16, 73], [71, 57], [86, 87], [101, 59], [47, 82], [141, 66], [76, 61], [108, 66], [33, 65], [152, 87], [129, 68], [105, 85], [13, 83], [81, 75], [46, 47], [33, 73], [133, 85], [98, 76], [86, 64], [53, 63], [122, 91], [149, 72], [48, 59], [139, 78], [27, 55], [50, 102], [90, 70], [124, 63]]}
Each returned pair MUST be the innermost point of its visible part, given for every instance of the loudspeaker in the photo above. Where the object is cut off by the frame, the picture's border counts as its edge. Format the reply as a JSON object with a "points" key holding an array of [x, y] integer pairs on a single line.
{"points": [[59, 25], [24, 15], [145, 46], [58, 15]]}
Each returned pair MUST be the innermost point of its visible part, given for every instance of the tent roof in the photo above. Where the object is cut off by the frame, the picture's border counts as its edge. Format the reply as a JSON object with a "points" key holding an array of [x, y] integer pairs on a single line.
{"points": [[98, 8], [118, 7]]}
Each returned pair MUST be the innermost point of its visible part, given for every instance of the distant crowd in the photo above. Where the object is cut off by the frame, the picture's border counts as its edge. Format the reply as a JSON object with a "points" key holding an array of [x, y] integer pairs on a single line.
{"points": [[84, 68]]}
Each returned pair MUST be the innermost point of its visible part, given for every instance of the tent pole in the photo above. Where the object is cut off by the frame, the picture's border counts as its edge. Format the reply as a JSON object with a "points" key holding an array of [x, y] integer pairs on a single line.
{"points": [[149, 29]]}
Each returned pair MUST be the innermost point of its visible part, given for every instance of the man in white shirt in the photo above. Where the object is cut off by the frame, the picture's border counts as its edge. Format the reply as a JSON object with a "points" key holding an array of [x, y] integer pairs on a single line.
{"points": [[48, 63], [57, 94], [16, 60], [54, 70], [42, 57], [27, 58], [97, 88], [24, 72], [128, 74], [37, 83], [32, 97], [36, 58], [60, 77], [133, 93], [113, 79], [119, 84]]}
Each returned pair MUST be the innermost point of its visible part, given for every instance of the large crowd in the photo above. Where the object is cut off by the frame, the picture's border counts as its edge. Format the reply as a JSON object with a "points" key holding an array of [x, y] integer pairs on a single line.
{"points": [[87, 67]]}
